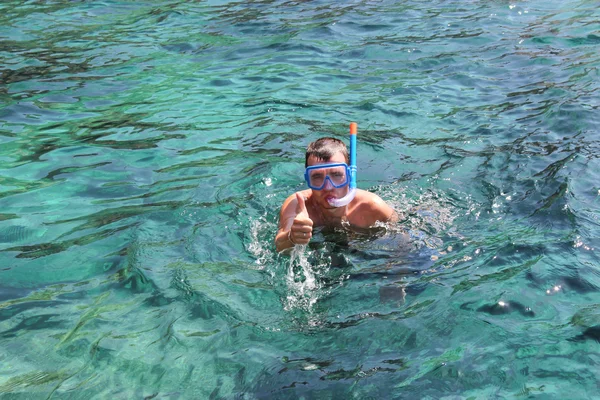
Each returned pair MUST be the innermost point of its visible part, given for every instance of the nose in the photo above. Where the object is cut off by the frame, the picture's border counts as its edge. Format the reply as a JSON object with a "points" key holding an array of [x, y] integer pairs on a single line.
{"points": [[328, 184]]}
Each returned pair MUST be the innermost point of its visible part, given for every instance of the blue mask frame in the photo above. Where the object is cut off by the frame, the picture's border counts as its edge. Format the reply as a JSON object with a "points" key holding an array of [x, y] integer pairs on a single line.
{"points": [[327, 178]]}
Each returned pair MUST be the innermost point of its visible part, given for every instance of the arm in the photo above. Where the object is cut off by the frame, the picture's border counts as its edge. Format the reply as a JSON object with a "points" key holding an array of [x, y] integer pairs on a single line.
{"points": [[392, 215], [286, 219], [382, 212], [295, 226], [373, 209]]}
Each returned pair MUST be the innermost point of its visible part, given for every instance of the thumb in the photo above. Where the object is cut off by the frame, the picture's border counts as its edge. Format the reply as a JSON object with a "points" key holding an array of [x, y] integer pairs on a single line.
{"points": [[300, 206]]}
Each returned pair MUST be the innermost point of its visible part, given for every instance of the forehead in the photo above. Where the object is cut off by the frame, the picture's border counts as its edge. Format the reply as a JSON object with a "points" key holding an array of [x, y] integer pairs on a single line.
{"points": [[337, 158]]}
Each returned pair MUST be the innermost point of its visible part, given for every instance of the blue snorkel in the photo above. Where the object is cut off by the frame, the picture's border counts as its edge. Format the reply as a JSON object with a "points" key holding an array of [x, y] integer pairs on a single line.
{"points": [[352, 186]]}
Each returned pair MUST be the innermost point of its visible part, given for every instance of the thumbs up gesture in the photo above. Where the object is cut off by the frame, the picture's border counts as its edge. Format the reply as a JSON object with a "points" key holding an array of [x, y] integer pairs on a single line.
{"points": [[301, 230]]}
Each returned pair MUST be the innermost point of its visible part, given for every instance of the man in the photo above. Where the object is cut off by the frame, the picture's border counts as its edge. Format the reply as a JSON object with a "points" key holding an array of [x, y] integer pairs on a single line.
{"points": [[327, 179]]}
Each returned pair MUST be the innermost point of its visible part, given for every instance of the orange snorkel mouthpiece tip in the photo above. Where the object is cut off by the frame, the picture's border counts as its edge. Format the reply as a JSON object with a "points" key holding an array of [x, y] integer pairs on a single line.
{"points": [[353, 128]]}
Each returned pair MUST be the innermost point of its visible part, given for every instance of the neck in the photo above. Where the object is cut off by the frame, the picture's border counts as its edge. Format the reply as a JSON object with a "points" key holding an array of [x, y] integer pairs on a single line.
{"points": [[333, 216]]}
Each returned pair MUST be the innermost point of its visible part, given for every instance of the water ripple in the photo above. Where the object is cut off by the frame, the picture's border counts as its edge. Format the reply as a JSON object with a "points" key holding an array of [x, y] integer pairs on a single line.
{"points": [[146, 149]]}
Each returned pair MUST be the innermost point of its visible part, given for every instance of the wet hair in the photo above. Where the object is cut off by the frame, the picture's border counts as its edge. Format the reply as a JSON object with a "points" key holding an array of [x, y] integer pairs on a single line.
{"points": [[325, 148]]}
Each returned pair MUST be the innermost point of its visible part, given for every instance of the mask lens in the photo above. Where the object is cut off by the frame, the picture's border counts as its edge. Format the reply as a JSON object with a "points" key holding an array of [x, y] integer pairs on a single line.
{"points": [[317, 177], [337, 175]]}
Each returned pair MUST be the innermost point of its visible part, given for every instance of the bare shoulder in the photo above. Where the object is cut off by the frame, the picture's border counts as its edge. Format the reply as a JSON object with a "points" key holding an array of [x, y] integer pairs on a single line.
{"points": [[369, 200], [368, 208], [288, 208], [292, 197]]}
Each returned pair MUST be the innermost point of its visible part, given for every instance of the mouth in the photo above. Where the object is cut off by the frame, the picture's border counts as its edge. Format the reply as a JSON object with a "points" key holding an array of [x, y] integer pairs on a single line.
{"points": [[330, 198]]}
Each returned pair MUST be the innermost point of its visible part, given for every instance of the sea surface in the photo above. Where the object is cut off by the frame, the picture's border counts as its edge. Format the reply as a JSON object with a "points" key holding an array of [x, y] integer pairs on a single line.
{"points": [[146, 148]]}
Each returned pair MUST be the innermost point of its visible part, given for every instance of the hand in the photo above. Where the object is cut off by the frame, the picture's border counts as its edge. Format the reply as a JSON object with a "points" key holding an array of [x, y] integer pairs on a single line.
{"points": [[301, 230]]}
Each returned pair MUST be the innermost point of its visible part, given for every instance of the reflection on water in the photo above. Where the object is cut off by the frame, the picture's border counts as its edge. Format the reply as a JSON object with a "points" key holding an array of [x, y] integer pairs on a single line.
{"points": [[145, 150]]}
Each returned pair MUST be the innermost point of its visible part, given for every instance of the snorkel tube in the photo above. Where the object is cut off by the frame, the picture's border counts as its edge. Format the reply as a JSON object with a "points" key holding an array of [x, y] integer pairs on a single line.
{"points": [[352, 186]]}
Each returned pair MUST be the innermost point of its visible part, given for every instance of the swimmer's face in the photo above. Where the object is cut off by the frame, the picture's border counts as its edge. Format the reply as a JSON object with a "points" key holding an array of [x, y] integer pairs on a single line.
{"points": [[328, 191]]}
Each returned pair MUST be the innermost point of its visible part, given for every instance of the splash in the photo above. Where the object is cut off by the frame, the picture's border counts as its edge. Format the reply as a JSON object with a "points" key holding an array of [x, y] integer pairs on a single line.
{"points": [[427, 217], [302, 288], [260, 229]]}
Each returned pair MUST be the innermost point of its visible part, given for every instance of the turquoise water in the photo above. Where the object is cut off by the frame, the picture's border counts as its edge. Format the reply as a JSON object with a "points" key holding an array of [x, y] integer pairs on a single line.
{"points": [[145, 149]]}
